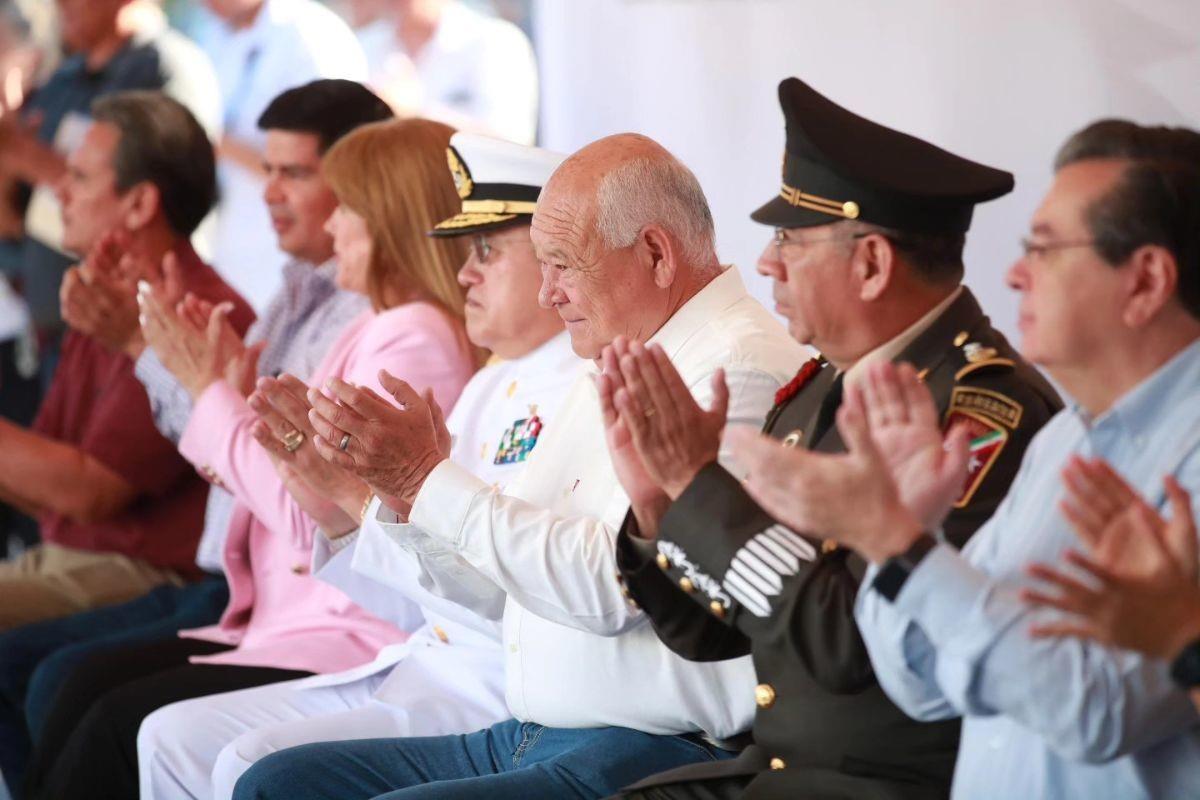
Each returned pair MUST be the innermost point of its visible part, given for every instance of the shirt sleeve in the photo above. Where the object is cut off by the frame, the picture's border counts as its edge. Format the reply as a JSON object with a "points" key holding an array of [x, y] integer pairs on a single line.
{"points": [[404, 558], [561, 568], [971, 643], [170, 403]]}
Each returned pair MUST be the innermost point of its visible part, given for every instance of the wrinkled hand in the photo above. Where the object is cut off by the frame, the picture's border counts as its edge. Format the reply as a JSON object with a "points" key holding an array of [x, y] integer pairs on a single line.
{"points": [[928, 470], [98, 297], [329, 494], [196, 350], [646, 498], [1141, 594], [673, 436], [392, 448]]}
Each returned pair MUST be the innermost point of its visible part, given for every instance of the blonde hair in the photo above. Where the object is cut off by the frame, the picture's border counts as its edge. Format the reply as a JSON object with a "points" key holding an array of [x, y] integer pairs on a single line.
{"points": [[393, 174]]}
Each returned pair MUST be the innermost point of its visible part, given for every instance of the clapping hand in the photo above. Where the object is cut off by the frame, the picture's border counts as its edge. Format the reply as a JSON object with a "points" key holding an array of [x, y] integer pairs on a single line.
{"points": [[674, 437], [393, 446], [193, 339], [647, 500], [329, 494], [898, 477], [1137, 586]]}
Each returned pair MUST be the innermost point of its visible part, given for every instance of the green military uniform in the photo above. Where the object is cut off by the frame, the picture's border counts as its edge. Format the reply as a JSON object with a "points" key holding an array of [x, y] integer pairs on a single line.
{"points": [[724, 579], [823, 723]]}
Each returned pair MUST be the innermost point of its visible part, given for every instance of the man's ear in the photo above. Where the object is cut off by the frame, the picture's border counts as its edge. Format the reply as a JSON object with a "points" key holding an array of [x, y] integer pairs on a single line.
{"points": [[143, 203], [661, 254], [1151, 279], [873, 264]]}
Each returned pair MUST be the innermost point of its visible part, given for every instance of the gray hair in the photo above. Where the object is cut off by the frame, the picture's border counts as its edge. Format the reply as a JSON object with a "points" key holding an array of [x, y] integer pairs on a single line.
{"points": [[655, 191]]}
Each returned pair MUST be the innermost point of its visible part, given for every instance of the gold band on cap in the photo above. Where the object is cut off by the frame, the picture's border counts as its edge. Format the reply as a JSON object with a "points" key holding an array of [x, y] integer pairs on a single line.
{"points": [[498, 207], [795, 197]]}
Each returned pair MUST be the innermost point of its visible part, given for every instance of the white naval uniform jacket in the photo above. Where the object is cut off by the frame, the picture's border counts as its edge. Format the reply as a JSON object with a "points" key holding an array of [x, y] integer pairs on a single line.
{"points": [[576, 653], [456, 647]]}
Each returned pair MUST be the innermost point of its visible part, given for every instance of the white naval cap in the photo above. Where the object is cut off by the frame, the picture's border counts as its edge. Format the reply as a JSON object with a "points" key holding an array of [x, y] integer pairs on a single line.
{"points": [[497, 180]]}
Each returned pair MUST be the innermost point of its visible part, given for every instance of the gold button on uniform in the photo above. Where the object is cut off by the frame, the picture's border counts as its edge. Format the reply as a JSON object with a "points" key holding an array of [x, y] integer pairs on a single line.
{"points": [[662, 561], [764, 695], [829, 546], [961, 338], [717, 609], [777, 763], [687, 585], [441, 634]]}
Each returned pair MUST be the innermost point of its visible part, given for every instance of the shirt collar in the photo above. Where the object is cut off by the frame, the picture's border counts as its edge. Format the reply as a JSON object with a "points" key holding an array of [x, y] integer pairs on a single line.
{"points": [[719, 294], [1171, 386], [889, 350]]}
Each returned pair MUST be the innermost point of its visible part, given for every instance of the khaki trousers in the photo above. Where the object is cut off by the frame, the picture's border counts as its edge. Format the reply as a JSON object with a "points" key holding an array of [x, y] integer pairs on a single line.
{"points": [[49, 581]]}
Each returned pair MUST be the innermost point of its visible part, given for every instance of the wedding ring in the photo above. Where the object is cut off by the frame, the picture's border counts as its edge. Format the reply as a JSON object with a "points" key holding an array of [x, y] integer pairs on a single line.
{"points": [[292, 440], [344, 443]]}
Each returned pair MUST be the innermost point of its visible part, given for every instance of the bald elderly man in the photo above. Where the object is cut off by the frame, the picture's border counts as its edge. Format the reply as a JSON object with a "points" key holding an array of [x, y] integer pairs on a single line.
{"points": [[624, 237]]}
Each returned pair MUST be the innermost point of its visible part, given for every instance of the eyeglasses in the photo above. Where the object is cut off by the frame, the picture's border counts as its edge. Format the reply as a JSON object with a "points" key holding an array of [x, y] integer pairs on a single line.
{"points": [[781, 241], [481, 247], [1039, 250]]}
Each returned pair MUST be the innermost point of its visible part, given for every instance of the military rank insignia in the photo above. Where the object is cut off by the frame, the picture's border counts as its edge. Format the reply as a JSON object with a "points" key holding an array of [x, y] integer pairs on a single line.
{"points": [[519, 439], [988, 416]]}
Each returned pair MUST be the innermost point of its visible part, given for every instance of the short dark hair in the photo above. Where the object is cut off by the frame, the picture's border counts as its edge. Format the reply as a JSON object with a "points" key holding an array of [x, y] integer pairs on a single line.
{"points": [[161, 142], [1122, 139], [1156, 200], [327, 108]]}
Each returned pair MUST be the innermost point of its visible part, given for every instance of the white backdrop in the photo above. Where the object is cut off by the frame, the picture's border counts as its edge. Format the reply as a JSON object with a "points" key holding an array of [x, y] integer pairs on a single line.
{"points": [[1001, 82]]}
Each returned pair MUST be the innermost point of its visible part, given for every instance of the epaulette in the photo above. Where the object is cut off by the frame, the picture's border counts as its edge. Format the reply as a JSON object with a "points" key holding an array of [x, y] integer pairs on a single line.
{"points": [[979, 358]]}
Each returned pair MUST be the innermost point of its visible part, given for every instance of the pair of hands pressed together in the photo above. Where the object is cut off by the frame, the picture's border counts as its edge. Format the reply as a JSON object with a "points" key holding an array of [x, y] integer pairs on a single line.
{"points": [[658, 436], [898, 477], [389, 452]]}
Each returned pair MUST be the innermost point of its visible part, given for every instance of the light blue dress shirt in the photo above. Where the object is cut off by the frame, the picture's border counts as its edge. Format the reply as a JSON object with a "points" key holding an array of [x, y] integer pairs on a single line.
{"points": [[1047, 718]]}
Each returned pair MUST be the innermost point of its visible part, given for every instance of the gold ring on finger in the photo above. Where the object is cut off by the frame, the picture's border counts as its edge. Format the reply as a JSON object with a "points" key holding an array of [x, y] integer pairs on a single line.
{"points": [[292, 440]]}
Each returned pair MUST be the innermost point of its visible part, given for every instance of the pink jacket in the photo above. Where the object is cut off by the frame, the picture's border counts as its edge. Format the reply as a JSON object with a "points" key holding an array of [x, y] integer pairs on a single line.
{"points": [[278, 615]]}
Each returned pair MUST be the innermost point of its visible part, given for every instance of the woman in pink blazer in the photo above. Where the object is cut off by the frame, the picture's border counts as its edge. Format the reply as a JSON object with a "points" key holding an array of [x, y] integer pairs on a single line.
{"points": [[392, 185]]}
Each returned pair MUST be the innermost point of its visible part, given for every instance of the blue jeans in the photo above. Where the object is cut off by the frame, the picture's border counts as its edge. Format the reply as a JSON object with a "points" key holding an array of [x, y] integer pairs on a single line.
{"points": [[35, 659], [517, 760]]}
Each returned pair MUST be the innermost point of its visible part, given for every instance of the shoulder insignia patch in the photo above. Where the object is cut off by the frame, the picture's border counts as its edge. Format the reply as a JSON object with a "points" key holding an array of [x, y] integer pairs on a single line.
{"points": [[987, 439], [986, 403]]}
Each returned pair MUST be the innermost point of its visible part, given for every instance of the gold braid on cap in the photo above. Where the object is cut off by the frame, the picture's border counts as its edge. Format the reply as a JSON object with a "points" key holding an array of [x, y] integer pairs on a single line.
{"points": [[795, 197]]}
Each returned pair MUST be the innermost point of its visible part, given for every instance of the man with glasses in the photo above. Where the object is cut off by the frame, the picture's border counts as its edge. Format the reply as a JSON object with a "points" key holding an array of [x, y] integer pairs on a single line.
{"points": [[867, 267], [1110, 307]]}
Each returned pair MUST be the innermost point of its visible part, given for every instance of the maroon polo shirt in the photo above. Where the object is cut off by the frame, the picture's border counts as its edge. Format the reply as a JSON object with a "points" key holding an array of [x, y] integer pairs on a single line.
{"points": [[97, 404]]}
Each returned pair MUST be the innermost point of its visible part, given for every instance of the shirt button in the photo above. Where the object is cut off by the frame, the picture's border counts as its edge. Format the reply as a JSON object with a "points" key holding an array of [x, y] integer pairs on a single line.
{"points": [[764, 695], [512, 648], [777, 763]]}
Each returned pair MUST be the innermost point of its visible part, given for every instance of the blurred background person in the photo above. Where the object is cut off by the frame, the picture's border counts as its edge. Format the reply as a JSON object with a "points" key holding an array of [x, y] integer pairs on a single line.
{"points": [[443, 59], [262, 48], [281, 623]]}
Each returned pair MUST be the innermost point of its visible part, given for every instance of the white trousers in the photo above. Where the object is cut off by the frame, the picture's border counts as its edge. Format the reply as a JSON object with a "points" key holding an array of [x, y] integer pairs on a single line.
{"points": [[199, 748]]}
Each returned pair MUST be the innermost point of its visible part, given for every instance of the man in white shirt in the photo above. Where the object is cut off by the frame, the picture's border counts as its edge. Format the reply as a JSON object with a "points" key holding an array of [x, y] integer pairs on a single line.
{"points": [[445, 60], [448, 676], [261, 48], [625, 239]]}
